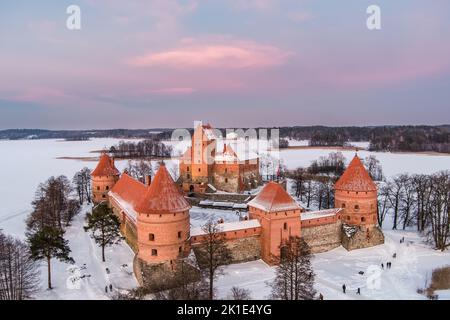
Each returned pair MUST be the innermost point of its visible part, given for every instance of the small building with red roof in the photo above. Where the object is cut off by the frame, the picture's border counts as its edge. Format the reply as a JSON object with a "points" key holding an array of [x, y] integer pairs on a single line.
{"points": [[279, 216]]}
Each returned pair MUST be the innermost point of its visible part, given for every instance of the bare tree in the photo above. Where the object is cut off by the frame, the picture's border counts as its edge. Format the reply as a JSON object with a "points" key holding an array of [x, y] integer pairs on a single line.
{"points": [[52, 205], [395, 196], [408, 201], [19, 274], [374, 167], [383, 203], [82, 182], [240, 294], [139, 169], [440, 211], [213, 253], [187, 283], [294, 279]]}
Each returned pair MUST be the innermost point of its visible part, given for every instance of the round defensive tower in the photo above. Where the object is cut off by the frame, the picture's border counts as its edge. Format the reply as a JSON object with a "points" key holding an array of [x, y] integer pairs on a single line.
{"points": [[163, 221], [356, 194], [104, 177]]}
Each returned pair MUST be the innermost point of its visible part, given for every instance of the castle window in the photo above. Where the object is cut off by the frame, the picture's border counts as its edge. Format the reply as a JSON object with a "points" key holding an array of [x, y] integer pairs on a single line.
{"points": [[103, 195], [98, 188], [154, 252], [180, 249], [151, 236], [107, 187], [179, 234], [226, 170], [356, 207], [226, 180], [343, 205], [285, 226], [188, 176], [187, 168], [199, 169], [363, 219]]}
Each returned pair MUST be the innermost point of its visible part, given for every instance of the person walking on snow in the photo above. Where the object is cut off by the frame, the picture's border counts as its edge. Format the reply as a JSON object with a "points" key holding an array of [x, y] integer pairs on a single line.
{"points": [[358, 291], [343, 288]]}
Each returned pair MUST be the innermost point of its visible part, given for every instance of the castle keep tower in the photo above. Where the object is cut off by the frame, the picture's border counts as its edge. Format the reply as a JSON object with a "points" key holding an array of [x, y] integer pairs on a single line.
{"points": [[356, 194], [104, 177], [162, 221], [279, 216]]}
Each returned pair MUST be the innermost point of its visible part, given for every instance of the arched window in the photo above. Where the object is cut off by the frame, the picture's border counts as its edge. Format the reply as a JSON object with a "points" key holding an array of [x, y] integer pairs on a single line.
{"points": [[356, 206], [226, 180], [285, 226], [343, 205], [187, 168], [151, 237], [154, 252], [363, 219], [179, 234]]}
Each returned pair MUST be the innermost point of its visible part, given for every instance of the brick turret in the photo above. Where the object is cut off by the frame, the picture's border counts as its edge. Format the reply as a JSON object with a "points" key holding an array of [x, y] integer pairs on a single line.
{"points": [[104, 177], [356, 194], [162, 221], [279, 216]]}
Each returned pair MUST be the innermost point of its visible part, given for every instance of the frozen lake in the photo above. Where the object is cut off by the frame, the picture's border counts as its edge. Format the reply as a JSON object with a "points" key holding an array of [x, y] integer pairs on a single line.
{"points": [[26, 163]]}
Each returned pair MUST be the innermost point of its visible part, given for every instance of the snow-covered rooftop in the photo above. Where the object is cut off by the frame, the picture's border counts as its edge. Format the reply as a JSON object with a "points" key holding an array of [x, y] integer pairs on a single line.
{"points": [[126, 206], [229, 226], [319, 214]]}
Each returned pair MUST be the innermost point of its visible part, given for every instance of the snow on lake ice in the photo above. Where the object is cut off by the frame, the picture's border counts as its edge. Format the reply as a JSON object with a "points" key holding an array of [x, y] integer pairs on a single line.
{"points": [[26, 163]]}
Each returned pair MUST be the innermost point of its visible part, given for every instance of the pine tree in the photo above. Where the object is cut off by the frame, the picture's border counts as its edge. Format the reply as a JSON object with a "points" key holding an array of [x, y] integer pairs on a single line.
{"points": [[47, 243], [294, 278], [104, 226]]}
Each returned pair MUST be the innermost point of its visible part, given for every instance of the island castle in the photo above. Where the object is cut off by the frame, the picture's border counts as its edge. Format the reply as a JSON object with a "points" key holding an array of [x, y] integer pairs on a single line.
{"points": [[226, 164], [156, 223]]}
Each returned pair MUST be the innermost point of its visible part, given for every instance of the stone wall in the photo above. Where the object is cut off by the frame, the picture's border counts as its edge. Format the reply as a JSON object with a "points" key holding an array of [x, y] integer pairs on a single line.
{"points": [[362, 238], [242, 249], [323, 237]]}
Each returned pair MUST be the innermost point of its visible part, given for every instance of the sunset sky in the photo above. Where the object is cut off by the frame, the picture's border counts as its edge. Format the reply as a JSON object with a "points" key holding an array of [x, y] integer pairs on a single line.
{"points": [[234, 63]]}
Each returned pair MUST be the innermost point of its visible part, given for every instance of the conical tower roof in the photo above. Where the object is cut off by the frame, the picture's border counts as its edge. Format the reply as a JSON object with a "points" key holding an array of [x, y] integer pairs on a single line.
{"points": [[355, 178], [162, 196], [105, 167], [273, 198]]}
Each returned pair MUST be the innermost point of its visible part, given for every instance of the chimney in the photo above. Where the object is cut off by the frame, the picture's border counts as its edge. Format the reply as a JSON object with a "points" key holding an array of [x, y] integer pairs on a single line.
{"points": [[148, 180]]}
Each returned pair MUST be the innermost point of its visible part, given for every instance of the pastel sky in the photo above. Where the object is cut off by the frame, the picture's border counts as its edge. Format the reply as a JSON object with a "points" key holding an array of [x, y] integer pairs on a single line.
{"points": [[234, 63]]}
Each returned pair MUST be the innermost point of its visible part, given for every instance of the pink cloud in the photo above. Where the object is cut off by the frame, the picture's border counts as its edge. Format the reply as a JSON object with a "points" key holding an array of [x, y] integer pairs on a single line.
{"points": [[231, 54]]}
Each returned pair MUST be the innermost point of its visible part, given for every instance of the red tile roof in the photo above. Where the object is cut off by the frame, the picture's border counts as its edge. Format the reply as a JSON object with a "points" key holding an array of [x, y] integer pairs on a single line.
{"points": [[163, 195], [273, 198], [355, 178], [105, 167], [129, 189]]}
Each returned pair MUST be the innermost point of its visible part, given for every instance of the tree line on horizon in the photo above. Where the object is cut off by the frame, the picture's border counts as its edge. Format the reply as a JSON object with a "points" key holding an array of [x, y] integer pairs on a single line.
{"points": [[381, 138]]}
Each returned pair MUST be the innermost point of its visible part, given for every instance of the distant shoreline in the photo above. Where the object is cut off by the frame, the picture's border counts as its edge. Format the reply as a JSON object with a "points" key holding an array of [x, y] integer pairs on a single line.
{"points": [[350, 148]]}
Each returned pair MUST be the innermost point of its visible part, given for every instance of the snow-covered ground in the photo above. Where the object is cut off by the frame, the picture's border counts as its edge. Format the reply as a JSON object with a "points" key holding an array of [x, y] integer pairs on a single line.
{"points": [[87, 278], [410, 269], [26, 163]]}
